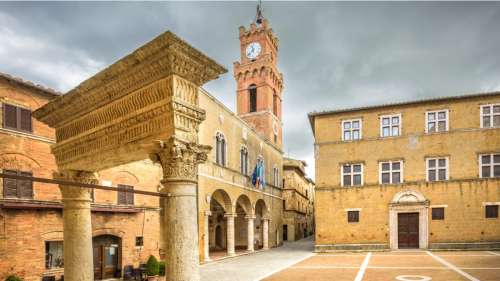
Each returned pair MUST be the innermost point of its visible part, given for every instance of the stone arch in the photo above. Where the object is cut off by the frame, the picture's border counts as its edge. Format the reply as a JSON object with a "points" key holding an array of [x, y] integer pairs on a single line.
{"points": [[408, 196], [108, 231], [223, 199], [18, 161], [53, 235], [125, 177], [261, 207], [244, 202]]}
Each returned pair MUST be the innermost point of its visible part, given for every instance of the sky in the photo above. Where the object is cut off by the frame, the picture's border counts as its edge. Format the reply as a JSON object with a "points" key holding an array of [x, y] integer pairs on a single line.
{"points": [[332, 54]]}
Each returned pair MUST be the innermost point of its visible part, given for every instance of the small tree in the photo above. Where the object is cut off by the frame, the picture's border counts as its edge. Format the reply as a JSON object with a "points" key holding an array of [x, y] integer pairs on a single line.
{"points": [[152, 266], [162, 268], [13, 278]]}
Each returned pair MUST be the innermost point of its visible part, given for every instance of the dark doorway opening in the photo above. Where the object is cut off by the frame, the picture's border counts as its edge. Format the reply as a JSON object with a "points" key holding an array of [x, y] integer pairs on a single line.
{"points": [[107, 256], [285, 232]]}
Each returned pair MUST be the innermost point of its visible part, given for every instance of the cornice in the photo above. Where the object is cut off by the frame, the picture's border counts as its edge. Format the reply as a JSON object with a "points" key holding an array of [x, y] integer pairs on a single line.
{"points": [[165, 55]]}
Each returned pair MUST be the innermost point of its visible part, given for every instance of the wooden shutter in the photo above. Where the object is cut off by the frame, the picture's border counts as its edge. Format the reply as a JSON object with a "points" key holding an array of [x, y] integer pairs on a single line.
{"points": [[122, 199], [25, 123], [130, 196], [9, 116], [9, 185], [25, 187]]}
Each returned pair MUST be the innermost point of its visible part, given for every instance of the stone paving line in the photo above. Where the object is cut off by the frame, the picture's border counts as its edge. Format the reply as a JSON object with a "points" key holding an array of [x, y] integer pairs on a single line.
{"points": [[258, 265]]}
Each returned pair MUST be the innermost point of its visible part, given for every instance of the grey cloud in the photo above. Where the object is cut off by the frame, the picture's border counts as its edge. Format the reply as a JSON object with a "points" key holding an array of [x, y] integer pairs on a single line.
{"points": [[332, 54]]}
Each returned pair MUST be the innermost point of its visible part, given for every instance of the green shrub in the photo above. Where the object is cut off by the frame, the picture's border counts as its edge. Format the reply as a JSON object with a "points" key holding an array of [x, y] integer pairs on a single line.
{"points": [[13, 278], [162, 268], [152, 266]]}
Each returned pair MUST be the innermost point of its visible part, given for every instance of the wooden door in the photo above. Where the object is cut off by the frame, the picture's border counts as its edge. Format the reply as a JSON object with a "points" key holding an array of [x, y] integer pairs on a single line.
{"points": [[408, 230], [109, 261], [97, 262]]}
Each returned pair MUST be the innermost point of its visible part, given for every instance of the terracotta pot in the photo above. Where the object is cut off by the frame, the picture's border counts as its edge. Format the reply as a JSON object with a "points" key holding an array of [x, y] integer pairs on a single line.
{"points": [[153, 278]]}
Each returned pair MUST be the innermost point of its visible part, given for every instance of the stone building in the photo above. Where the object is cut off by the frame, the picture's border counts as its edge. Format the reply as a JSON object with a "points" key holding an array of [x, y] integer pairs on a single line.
{"points": [[422, 174], [234, 215], [298, 201]]}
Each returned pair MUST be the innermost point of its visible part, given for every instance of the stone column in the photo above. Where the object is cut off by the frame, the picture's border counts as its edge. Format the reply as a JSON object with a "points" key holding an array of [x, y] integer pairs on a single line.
{"points": [[207, 236], [179, 161], [265, 233], [250, 234], [230, 234], [78, 253]]}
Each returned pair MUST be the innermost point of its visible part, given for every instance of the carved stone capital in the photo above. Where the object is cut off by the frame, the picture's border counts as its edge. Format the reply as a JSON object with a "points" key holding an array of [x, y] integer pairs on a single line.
{"points": [[75, 192], [179, 159]]}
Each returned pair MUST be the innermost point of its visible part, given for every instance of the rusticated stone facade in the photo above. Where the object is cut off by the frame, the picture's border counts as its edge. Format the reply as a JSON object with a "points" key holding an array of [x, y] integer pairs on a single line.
{"points": [[435, 162], [298, 201]]}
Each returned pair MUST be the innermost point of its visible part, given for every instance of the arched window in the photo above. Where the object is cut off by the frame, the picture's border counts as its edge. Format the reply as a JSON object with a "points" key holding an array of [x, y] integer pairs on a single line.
{"points": [[252, 92], [244, 160], [275, 104], [276, 174], [220, 149]]}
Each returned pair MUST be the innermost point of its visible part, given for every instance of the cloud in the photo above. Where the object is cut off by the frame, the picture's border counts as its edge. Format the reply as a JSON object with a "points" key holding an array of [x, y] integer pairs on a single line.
{"points": [[332, 54]]}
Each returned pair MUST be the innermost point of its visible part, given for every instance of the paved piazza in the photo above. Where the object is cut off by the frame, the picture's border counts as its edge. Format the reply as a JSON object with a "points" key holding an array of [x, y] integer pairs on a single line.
{"points": [[296, 262]]}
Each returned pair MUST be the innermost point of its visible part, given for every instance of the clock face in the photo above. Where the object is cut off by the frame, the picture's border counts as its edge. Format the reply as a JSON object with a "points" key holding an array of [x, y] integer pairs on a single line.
{"points": [[253, 50]]}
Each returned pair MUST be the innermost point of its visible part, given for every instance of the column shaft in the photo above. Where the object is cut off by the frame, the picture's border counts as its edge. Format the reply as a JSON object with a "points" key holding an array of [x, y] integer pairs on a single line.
{"points": [[250, 233], [181, 232], [265, 234], [230, 234], [207, 236]]}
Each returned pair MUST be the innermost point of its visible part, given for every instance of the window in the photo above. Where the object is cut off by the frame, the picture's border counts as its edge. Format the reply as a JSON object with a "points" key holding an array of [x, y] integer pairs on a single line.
{"points": [[54, 257], [491, 211], [125, 198], [438, 213], [244, 160], [490, 116], [276, 174], [391, 172], [252, 90], [275, 104], [352, 174], [352, 216], [437, 121], [390, 125], [489, 165], [14, 188], [139, 241], [16, 118], [437, 169], [220, 149], [351, 130]]}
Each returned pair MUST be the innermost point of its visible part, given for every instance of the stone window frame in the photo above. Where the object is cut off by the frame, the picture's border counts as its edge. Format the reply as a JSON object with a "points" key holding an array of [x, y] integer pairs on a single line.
{"points": [[437, 120], [391, 171], [486, 205], [276, 176], [352, 174], [440, 213], [491, 164], [351, 130], [244, 163], [220, 136], [47, 243], [437, 168], [391, 125], [491, 114], [351, 210]]}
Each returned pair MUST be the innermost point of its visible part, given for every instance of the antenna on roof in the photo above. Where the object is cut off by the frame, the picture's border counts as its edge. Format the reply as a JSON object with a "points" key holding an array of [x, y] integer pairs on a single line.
{"points": [[259, 18]]}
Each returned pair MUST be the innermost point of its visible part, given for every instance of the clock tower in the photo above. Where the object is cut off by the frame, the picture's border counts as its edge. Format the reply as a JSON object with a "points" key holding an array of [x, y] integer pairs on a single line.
{"points": [[259, 82]]}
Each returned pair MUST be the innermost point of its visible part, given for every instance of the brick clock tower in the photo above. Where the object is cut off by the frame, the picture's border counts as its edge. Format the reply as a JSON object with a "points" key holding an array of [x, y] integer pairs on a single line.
{"points": [[259, 82]]}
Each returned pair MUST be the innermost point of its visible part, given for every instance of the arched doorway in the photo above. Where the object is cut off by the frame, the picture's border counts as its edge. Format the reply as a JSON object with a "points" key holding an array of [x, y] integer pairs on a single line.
{"points": [[220, 204], [107, 256], [241, 223], [219, 242], [261, 213]]}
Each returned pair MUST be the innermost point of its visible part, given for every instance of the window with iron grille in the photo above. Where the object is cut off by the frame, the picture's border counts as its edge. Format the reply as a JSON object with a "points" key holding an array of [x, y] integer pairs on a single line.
{"points": [[438, 213], [352, 216], [139, 241], [489, 165], [16, 118], [14, 188], [125, 198], [491, 211], [490, 116]]}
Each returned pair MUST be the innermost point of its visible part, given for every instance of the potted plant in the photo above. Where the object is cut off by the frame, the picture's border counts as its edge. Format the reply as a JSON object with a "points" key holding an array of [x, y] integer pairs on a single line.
{"points": [[13, 278], [152, 268], [162, 271]]}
